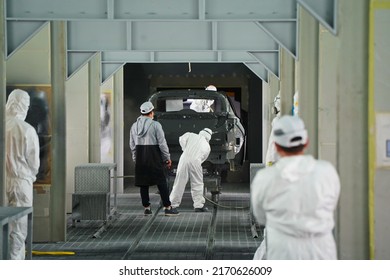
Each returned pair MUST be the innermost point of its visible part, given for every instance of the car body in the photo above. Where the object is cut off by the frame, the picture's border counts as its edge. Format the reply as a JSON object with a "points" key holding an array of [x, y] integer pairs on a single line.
{"points": [[181, 111]]}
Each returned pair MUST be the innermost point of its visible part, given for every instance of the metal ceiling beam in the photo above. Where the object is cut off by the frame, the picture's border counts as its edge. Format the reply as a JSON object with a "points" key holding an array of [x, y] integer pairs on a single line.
{"points": [[269, 60], [168, 36], [284, 33], [76, 60], [177, 56], [162, 42], [169, 31], [113, 61], [325, 11], [109, 69], [150, 31], [152, 10], [19, 32], [259, 70]]}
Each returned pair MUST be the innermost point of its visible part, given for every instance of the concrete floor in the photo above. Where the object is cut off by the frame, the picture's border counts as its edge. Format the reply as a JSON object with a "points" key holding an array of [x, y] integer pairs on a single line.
{"points": [[226, 232]]}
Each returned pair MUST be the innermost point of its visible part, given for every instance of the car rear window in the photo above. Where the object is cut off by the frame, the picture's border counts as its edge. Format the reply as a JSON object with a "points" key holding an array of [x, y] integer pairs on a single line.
{"points": [[176, 104]]}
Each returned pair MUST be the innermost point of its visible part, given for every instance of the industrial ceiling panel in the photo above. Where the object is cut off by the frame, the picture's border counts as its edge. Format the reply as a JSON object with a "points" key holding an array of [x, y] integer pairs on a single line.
{"points": [[243, 36], [171, 36], [251, 9], [96, 35], [156, 9], [56, 9]]}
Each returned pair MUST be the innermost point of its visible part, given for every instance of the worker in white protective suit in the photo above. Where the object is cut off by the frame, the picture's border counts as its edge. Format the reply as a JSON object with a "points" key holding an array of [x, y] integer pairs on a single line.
{"points": [[272, 156], [196, 149], [22, 164], [296, 198], [203, 105]]}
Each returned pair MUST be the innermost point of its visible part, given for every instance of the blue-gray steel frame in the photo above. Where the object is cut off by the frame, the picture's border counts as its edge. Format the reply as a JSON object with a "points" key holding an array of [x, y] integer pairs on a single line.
{"points": [[249, 32], [7, 214]]}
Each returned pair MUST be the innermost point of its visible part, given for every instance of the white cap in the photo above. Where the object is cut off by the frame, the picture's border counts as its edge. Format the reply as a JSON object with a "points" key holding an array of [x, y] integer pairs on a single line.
{"points": [[289, 131], [206, 133], [212, 88], [146, 107]]}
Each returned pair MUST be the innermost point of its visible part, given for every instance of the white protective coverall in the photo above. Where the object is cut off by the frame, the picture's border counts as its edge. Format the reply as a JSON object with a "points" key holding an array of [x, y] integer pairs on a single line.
{"points": [[196, 149], [272, 156], [202, 105], [295, 199], [22, 164]]}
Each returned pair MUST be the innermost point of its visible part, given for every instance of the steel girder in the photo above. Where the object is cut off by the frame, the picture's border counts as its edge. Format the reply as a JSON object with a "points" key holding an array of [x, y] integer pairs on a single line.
{"points": [[247, 31]]}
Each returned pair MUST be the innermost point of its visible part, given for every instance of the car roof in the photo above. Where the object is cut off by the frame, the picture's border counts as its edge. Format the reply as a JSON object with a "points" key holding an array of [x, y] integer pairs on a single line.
{"points": [[190, 93]]}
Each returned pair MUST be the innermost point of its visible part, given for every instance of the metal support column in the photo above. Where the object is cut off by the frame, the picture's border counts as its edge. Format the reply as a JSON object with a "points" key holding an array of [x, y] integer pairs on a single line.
{"points": [[118, 126], [94, 80], [274, 85], [2, 103], [308, 77], [58, 179], [287, 86], [352, 137]]}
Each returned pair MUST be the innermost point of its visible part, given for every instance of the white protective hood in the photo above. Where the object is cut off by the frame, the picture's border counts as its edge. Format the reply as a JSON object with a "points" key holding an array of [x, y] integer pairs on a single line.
{"points": [[294, 168], [17, 104]]}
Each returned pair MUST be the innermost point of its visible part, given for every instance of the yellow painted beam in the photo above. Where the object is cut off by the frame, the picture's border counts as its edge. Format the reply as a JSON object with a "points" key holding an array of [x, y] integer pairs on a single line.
{"points": [[374, 6], [380, 4], [371, 132]]}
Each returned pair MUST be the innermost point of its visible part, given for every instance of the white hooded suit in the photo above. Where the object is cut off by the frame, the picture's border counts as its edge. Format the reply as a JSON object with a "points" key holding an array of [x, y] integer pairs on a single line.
{"points": [[295, 199], [196, 149], [22, 164], [272, 155]]}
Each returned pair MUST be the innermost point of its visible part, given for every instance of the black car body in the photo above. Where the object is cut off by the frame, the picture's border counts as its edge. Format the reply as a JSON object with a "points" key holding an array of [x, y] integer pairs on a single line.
{"points": [[181, 111]]}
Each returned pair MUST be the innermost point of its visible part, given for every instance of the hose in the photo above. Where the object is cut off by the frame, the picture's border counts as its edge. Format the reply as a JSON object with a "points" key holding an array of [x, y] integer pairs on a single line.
{"points": [[225, 206], [57, 253], [209, 200]]}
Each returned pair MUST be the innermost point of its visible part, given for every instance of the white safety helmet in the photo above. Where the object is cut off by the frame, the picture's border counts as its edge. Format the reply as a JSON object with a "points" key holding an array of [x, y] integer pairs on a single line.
{"points": [[211, 88]]}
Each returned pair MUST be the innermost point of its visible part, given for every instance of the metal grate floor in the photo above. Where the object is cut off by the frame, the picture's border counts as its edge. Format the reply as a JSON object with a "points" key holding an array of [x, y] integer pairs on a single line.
{"points": [[223, 233]]}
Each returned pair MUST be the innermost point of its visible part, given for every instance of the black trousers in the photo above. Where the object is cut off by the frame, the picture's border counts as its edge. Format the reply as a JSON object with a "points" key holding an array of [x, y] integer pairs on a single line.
{"points": [[164, 194]]}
